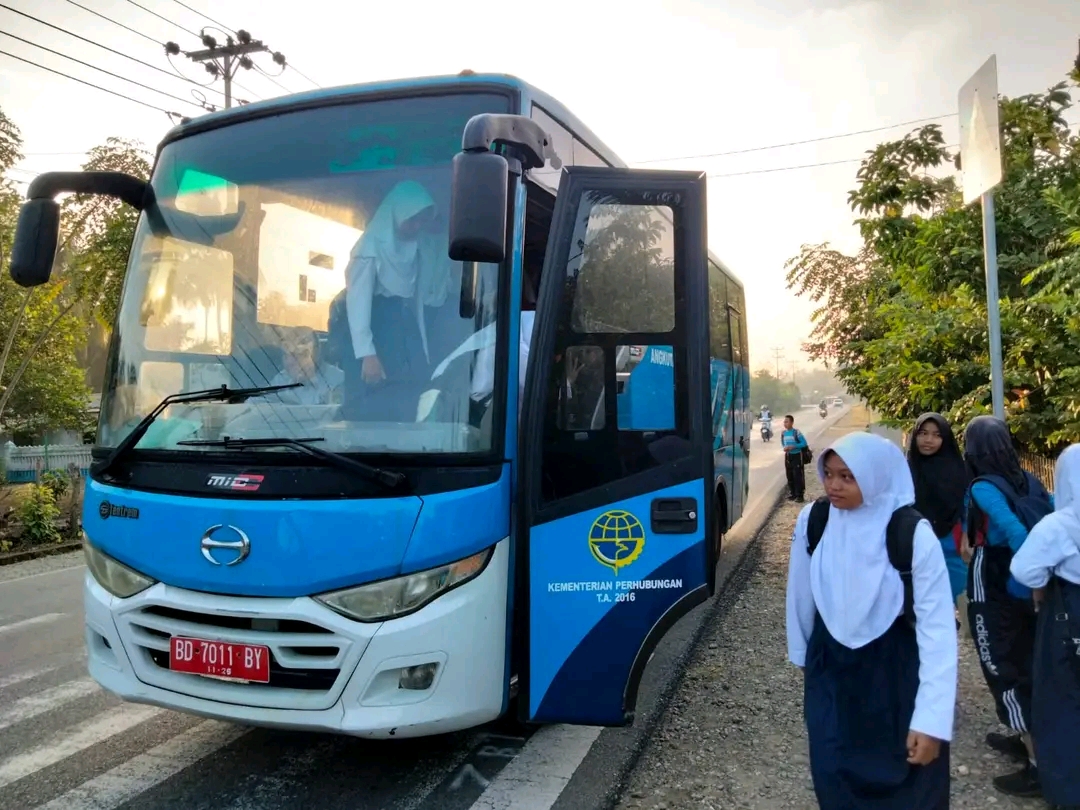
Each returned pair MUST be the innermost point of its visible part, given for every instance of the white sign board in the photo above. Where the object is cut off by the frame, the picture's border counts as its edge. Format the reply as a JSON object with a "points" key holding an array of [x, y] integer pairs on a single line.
{"points": [[980, 140]]}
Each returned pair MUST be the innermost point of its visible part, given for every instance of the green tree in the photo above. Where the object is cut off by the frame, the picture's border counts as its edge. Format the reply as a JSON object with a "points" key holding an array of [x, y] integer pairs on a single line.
{"points": [[904, 322], [781, 396], [41, 383]]}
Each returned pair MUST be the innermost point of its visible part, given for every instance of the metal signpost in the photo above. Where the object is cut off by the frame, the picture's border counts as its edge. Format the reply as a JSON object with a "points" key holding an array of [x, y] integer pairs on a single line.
{"points": [[980, 163]]}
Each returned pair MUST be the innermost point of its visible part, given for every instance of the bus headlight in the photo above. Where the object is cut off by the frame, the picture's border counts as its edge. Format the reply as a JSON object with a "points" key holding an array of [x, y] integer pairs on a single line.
{"points": [[115, 577], [399, 596]]}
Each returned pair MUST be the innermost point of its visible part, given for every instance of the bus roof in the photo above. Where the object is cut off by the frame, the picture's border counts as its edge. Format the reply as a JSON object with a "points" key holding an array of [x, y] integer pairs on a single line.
{"points": [[526, 93]]}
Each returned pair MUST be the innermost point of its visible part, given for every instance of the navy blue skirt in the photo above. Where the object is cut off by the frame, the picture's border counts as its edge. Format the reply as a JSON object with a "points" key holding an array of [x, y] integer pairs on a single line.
{"points": [[1055, 699], [858, 706]]}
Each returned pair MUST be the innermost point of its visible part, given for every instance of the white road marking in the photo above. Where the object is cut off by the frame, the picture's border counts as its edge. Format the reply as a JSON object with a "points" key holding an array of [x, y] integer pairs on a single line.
{"points": [[21, 677], [139, 774], [45, 618], [537, 776], [33, 705], [43, 573], [71, 741]]}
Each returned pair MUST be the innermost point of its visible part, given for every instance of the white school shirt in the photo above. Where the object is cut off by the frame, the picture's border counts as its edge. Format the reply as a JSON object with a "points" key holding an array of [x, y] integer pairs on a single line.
{"points": [[1052, 547], [935, 626]]}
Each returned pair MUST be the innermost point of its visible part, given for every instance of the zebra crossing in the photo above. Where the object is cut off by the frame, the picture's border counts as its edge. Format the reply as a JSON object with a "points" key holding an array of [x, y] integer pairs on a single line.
{"points": [[66, 744]]}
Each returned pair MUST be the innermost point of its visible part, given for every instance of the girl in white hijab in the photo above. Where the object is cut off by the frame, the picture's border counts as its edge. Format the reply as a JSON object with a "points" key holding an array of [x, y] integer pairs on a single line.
{"points": [[1049, 563], [879, 696], [398, 272]]}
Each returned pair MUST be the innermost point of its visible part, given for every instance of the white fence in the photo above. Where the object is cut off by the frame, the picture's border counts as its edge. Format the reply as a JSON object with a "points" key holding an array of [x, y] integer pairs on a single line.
{"points": [[26, 464]]}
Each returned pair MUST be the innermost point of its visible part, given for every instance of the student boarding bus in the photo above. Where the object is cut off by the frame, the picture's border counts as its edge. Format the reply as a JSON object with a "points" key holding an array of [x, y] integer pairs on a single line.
{"points": [[420, 409]]}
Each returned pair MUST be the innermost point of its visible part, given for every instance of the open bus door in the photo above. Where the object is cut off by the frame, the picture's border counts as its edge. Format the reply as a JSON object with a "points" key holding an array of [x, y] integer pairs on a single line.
{"points": [[612, 517]]}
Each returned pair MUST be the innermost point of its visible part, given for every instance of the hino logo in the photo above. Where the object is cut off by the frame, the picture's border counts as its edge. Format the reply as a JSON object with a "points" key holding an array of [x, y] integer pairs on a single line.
{"points": [[238, 548], [244, 482]]}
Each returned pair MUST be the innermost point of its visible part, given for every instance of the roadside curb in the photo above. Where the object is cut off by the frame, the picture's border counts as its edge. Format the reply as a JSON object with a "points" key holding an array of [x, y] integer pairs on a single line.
{"points": [[12, 557]]}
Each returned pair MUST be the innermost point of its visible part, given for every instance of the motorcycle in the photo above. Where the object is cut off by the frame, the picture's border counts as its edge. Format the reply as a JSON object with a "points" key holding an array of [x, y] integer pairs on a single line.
{"points": [[823, 411], [766, 430]]}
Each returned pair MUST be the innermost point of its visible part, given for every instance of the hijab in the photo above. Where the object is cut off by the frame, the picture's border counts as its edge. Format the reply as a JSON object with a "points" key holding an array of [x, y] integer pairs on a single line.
{"points": [[988, 449], [941, 479], [406, 268], [856, 589]]}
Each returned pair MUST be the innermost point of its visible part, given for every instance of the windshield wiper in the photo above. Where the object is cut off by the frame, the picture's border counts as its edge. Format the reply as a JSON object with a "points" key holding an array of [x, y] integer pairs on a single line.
{"points": [[387, 478], [222, 394]]}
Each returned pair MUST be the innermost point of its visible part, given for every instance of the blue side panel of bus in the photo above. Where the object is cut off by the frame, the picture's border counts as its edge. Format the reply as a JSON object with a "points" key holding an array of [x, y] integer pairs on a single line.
{"points": [[600, 581]]}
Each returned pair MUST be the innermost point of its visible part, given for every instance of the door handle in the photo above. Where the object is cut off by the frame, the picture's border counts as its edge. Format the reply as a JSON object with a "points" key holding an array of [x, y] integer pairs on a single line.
{"points": [[674, 515]]}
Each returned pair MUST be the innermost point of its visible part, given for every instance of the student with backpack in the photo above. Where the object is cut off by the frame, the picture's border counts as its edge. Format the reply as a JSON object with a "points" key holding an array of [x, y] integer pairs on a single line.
{"points": [[797, 455], [941, 481], [1049, 563], [1003, 504], [870, 621]]}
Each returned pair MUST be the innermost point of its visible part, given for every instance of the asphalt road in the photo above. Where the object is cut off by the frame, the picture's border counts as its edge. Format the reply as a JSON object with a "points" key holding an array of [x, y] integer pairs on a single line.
{"points": [[67, 745]]}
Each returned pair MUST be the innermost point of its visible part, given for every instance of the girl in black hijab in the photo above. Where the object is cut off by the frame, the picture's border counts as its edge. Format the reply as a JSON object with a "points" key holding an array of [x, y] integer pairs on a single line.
{"points": [[1003, 504], [941, 479]]}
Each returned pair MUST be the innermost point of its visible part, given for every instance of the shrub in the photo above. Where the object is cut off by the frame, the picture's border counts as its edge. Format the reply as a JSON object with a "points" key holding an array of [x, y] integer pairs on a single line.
{"points": [[38, 514], [58, 482]]}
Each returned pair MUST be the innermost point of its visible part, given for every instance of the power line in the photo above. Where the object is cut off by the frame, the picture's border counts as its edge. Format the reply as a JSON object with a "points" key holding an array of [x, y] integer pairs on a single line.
{"points": [[106, 72], [170, 113], [800, 143], [789, 168], [165, 19], [303, 76], [114, 22], [98, 44], [205, 16]]}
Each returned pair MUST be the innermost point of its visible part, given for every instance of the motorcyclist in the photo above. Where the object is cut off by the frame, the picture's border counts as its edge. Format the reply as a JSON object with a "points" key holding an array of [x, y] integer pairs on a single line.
{"points": [[823, 408], [766, 422]]}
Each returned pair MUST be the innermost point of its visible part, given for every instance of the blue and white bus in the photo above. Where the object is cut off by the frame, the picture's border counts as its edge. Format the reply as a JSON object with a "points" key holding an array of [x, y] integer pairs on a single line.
{"points": [[328, 493]]}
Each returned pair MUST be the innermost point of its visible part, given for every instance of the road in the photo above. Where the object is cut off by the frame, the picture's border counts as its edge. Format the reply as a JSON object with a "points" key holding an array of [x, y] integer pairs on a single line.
{"points": [[67, 745]]}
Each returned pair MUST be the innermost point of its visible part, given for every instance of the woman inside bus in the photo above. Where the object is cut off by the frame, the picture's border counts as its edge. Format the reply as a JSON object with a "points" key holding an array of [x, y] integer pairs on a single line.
{"points": [[879, 696], [397, 284], [320, 381], [1049, 563], [941, 480]]}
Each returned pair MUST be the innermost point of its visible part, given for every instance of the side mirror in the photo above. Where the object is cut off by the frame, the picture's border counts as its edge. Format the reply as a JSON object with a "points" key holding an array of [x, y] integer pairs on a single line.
{"points": [[478, 205], [34, 250]]}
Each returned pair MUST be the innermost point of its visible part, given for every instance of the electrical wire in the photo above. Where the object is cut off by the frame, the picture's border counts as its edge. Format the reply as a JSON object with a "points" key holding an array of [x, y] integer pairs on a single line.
{"points": [[114, 22], [802, 166], [303, 76], [96, 44], [165, 19], [170, 113], [106, 72], [800, 143], [205, 16], [272, 79]]}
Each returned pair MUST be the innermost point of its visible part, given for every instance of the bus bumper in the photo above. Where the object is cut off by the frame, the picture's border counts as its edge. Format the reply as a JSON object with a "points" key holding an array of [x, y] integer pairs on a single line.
{"points": [[330, 673]]}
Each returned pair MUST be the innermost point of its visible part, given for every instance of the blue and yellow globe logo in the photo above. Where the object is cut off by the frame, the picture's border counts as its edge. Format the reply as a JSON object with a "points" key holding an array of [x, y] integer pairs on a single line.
{"points": [[616, 539]]}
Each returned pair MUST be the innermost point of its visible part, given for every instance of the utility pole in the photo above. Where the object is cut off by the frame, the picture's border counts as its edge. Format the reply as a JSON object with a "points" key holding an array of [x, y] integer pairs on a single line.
{"points": [[778, 354], [225, 61]]}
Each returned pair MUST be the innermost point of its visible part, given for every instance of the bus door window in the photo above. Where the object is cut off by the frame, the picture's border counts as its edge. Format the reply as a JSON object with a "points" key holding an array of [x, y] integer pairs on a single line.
{"points": [[619, 294]]}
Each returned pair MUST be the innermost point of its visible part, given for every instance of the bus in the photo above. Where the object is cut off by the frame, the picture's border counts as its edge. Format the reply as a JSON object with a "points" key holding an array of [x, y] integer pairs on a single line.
{"points": [[421, 409]]}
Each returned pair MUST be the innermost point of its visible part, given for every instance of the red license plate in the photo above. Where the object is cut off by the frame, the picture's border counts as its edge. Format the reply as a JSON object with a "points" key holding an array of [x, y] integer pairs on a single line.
{"points": [[220, 659]]}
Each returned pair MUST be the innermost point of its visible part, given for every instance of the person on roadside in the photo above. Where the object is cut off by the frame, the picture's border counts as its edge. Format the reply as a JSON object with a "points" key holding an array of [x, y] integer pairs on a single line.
{"points": [[1049, 563], [879, 693], [1002, 505], [794, 445], [941, 481]]}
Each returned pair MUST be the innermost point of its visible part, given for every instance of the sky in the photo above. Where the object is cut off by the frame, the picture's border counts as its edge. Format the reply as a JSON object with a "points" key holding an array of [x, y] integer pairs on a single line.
{"points": [[655, 80]]}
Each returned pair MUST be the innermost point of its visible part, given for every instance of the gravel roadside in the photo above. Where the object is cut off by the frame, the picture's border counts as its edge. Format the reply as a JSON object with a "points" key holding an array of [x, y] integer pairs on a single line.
{"points": [[733, 735]]}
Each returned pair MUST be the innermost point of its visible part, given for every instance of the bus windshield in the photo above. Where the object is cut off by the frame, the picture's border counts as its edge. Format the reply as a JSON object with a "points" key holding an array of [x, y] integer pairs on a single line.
{"points": [[309, 247]]}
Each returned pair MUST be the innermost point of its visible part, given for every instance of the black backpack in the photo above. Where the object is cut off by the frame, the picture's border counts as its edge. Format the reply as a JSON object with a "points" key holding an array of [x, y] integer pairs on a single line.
{"points": [[899, 542], [1029, 508]]}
